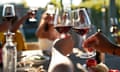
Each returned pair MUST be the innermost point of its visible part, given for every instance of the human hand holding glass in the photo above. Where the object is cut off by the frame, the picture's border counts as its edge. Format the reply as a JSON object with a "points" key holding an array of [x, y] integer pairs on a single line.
{"points": [[81, 26]]}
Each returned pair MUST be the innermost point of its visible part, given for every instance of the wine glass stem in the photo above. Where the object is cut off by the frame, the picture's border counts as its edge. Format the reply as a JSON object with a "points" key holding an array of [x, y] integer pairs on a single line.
{"points": [[9, 28], [84, 37]]}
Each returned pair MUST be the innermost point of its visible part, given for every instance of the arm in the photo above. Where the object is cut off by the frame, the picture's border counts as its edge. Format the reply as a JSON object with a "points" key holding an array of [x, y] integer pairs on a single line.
{"points": [[46, 29], [17, 24], [100, 42], [64, 45], [4, 26], [116, 50]]}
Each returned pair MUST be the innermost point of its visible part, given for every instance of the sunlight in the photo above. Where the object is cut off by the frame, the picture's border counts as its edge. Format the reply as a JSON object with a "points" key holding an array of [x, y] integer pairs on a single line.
{"points": [[37, 3], [30, 3], [10, 1], [74, 2]]}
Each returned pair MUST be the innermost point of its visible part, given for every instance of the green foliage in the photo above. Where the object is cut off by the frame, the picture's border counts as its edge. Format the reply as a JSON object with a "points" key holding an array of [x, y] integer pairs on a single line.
{"points": [[57, 3]]}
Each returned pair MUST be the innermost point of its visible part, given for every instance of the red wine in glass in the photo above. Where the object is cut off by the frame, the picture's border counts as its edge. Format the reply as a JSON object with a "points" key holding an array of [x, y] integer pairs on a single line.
{"points": [[81, 31], [63, 29], [8, 18], [82, 24]]}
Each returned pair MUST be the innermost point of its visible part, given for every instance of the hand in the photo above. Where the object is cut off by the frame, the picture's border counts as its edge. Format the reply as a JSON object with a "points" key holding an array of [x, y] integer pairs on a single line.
{"points": [[65, 45], [46, 29], [97, 41], [31, 14]]}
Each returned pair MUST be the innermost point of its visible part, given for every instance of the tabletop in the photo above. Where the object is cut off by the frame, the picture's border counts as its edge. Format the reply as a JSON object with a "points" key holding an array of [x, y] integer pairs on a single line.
{"points": [[39, 60]]}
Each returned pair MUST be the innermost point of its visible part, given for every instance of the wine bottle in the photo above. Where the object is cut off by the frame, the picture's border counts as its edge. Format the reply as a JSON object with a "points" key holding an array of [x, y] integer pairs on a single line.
{"points": [[1, 63], [9, 54]]}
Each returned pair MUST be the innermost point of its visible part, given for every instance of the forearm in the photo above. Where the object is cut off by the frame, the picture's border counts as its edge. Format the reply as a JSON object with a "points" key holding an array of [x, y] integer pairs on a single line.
{"points": [[40, 33], [116, 50], [47, 31], [4, 26], [113, 49], [41, 30], [16, 26]]}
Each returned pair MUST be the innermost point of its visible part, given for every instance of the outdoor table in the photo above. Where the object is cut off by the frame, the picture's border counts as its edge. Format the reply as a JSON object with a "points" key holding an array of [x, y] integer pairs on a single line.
{"points": [[37, 64]]}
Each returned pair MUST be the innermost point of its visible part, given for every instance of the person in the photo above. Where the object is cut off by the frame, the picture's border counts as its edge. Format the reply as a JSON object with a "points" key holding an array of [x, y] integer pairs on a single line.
{"points": [[45, 32], [100, 56], [18, 37], [92, 66], [46, 29], [101, 43], [63, 46], [13, 26], [60, 49], [3, 27]]}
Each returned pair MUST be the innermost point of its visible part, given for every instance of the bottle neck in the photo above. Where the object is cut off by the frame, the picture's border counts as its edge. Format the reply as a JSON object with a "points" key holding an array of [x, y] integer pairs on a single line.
{"points": [[9, 40], [9, 36]]}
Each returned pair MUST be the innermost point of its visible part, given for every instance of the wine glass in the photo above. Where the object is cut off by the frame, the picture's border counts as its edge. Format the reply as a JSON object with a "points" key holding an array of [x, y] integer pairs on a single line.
{"points": [[51, 12], [33, 11], [8, 11], [82, 26], [62, 23], [50, 9]]}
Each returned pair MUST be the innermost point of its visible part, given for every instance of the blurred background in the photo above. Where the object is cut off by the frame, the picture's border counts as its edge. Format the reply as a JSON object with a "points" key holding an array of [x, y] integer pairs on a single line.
{"points": [[104, 14]]}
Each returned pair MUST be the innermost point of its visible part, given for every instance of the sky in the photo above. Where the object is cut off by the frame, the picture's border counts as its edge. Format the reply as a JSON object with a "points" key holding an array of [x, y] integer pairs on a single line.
{"points": [[38, 3]]}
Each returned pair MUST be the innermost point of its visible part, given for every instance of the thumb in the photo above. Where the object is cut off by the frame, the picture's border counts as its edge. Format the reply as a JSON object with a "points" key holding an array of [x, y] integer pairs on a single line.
{"points": [[90, 43]]}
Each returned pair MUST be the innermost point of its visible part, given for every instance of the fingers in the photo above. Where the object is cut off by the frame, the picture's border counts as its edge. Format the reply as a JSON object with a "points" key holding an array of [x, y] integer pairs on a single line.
{"points": [[91, 42], [65, 45], [48, 18]]}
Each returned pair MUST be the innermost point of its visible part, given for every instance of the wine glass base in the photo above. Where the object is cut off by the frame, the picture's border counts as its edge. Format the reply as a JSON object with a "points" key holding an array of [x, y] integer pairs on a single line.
{"points": [[87, 55], [81, 54]]}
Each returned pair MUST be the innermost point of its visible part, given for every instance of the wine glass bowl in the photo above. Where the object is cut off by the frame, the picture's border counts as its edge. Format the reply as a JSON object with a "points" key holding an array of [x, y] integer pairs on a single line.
{"points": [[82, 25], [50, 9], [8, 11], [64, 24], [81, 31], [62, 29]]}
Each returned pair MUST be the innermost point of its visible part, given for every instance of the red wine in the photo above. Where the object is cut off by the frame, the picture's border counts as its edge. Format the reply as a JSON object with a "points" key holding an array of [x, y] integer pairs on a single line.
{"points": [[63, 29], [8, 17], [81, 31]]}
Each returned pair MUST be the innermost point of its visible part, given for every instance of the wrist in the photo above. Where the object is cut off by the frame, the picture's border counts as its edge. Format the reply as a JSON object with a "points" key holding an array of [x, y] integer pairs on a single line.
{"points": [[25, 16], [114, 48]]}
